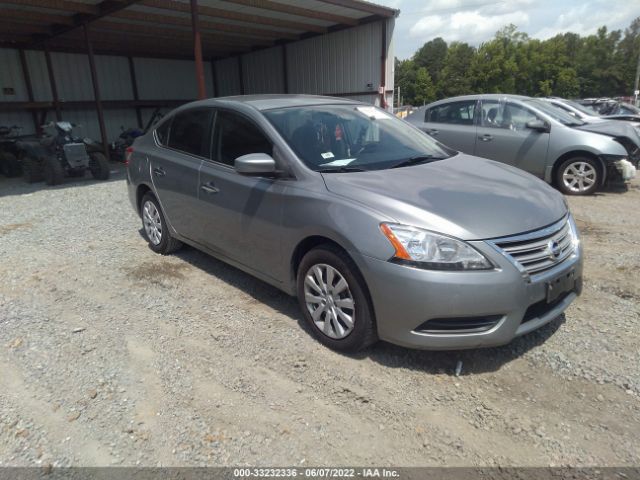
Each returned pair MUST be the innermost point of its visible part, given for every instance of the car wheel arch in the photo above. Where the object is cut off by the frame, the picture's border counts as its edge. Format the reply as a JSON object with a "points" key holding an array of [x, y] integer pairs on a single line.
{"points": [[578, 153], [314, 241], [141, 191]]}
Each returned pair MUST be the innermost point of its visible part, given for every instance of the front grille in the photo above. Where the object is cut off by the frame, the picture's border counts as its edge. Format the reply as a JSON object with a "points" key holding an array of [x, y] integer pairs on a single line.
{"points": [[76, 154], [537, 254]]}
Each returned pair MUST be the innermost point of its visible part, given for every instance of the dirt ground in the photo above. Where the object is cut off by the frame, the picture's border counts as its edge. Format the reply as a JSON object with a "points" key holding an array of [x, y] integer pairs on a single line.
{"points": [[113, 355]]}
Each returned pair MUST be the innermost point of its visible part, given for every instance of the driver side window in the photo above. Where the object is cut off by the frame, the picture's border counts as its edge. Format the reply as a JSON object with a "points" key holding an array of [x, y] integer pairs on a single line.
{"points": [[509, 116], [235, 136]]}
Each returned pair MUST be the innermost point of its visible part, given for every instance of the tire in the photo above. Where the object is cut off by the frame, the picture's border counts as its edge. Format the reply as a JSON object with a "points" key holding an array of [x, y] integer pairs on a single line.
{"points": [[99, 166], [155, 227], [53, 171], [32, 170], [579, 176], [10, 165], [331, 326]]}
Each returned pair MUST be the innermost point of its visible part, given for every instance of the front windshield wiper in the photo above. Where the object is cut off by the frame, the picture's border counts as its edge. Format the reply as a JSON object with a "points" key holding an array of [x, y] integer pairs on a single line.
{"points": [[342, 169], [423, 158]]}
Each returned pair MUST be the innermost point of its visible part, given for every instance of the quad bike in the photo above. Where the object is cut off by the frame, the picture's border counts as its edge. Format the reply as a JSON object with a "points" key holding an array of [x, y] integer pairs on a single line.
{"points": [[9, 152], [126, 138], [53, 157], [117, 149]]}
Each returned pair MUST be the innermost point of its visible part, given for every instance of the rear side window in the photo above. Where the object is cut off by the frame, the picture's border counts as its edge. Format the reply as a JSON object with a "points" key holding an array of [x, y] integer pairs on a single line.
{"points": [[236, 136], [460, 113], [162, 133], [189, 132]]}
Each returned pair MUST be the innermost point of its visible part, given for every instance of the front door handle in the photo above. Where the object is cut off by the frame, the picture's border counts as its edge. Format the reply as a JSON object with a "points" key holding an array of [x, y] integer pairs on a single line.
{"points": [[432, 131], [486, 138], [159, 172], [209, 188]]}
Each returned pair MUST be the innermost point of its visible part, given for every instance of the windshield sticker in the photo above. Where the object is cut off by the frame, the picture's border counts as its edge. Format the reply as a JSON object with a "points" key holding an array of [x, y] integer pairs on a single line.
{"points": [[338, 163], [373, 112], [327, 155]]}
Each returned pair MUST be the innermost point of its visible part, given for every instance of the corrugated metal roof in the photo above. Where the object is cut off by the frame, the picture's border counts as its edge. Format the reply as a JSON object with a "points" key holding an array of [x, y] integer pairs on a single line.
{"points": [[278, 20]]}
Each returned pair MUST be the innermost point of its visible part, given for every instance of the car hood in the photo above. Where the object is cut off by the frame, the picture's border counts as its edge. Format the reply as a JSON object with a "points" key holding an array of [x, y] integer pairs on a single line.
{"points": [[613, 128], [464, 196]]}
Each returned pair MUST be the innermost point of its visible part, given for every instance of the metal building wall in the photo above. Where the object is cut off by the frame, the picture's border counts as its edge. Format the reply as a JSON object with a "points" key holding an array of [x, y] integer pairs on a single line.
{"points": [[263, 72], [344, 63], [228, 77], [164, 79]]}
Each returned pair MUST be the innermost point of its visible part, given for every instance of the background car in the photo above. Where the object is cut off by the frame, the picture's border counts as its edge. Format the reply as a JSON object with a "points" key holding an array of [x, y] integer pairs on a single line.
{"points": [[529, 134], [627, 133]]}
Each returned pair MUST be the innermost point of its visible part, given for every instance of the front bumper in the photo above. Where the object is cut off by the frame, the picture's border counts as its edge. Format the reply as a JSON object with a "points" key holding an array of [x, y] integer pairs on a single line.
{"points": [[404, 298]]}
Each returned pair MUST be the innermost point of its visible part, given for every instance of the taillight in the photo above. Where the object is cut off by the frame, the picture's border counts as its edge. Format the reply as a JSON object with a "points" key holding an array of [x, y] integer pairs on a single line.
{"points": [[127, 155]]}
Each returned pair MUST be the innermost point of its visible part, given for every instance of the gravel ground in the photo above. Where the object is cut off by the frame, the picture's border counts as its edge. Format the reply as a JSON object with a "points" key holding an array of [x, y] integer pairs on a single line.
{"points": [[113, 355]]}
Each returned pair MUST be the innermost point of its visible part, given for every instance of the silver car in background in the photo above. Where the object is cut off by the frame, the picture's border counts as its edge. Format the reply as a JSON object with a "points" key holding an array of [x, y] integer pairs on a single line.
{"points": [[530, 134], [378, 230]]}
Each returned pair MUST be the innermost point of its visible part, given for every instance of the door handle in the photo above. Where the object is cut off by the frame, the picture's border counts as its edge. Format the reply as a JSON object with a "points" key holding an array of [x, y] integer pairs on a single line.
{"points": [[432, 131], [209, 188], [486, 138], [159, 172]]}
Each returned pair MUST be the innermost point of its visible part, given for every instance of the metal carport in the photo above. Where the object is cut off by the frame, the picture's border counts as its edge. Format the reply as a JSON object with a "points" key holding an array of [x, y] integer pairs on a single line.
{"points": [[105, 63]]}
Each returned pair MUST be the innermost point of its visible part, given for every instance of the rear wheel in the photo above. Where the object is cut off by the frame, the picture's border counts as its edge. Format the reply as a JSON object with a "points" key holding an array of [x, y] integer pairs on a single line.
{"points": [[99, 166], [155, 227], [10, 165], [578, 176], [31, 170], [334, 301], [53, 171]]}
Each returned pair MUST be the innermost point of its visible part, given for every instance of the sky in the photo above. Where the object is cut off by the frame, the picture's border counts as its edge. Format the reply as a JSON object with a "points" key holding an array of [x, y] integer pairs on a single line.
{"points": [[476, 21]]}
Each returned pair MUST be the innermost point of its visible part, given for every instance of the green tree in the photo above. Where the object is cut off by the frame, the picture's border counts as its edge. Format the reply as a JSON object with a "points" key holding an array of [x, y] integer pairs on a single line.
{"points": [[455, 78], [567, 84], [432, 56], [425, 88], [405, 78]]}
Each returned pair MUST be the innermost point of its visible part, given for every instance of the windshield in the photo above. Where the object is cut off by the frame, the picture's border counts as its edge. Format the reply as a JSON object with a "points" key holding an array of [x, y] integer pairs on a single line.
{"points": [[580, 108], [353, 137], [555, 112]]}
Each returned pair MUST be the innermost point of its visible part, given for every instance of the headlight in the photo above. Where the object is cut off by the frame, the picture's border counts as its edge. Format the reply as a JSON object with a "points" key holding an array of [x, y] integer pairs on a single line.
{"points": [[575, 236], [431, 250]]}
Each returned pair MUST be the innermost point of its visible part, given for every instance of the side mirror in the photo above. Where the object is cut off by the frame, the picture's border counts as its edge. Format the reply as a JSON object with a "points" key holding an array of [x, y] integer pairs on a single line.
{"points": [[255, 164], [538, 125]]}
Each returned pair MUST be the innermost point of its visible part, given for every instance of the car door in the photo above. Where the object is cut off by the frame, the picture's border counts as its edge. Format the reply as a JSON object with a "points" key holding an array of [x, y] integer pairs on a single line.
{"points": [[241, 215], [502, 135], [452, 123], [184, 142]]}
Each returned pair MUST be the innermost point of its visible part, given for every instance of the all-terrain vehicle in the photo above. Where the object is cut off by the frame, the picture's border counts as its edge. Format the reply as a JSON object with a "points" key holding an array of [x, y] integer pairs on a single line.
{"points": [[53, 157], [118, 149], [9, 152]]}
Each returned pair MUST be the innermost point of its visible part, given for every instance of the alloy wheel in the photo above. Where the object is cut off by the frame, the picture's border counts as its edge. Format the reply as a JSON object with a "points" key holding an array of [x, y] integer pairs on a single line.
{"points": [[329, 301], [579, 177], [152, 222]]}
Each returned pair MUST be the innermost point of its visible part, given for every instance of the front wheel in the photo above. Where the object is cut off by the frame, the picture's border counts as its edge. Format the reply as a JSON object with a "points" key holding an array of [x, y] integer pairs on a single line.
{"points": [[99, 166], [155, 227], [334, 301], [578, 176]]}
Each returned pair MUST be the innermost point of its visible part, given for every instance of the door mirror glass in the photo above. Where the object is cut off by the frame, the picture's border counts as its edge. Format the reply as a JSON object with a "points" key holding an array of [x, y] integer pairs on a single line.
{"points": [[538, 125], [255, 164]]}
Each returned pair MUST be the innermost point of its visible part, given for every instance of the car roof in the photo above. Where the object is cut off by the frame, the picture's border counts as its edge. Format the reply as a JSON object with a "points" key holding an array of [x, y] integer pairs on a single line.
{"points": [[266, 102], [483, 96]]}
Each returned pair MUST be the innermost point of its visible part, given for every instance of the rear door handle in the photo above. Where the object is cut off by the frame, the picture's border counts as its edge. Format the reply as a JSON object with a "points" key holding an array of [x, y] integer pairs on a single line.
{"points": [[159, 172], [486, 138], [209, 188], [432, 131]]}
